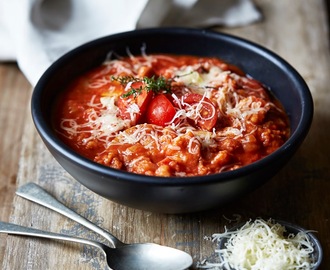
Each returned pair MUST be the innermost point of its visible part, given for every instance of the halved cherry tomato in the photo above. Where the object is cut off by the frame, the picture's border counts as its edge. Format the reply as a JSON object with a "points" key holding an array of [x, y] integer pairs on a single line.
{"points": [[142, 100], [160, 111], [207, 112]]}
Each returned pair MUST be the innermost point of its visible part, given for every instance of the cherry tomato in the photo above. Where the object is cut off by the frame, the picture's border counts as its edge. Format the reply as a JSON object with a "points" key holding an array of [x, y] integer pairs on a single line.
{"points": [[207, 115], [141, 99], [160, 111]]}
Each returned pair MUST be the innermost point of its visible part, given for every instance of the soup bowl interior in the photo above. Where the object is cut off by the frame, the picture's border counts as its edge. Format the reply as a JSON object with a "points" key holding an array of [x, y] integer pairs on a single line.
{"points": [[174, 194]]}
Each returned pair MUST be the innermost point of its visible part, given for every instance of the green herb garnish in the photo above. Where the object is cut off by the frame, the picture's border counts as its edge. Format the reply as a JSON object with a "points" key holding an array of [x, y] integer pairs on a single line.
{"points": [[157, 85]]}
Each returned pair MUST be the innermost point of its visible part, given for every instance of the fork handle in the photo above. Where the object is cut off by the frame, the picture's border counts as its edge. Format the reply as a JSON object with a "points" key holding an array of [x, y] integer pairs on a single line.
{"points": [[35, 193], [15, 229]]}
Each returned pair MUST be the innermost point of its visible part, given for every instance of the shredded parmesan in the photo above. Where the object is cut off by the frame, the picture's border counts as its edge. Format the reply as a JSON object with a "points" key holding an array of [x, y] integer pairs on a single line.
{"points": [[263, 245], [190, 76], [209, 131], [229, 103], [102, 124]]}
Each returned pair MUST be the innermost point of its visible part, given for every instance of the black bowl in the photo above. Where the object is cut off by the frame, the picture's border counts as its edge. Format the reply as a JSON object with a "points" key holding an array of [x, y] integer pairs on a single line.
{"points": [[174, 194], [316, 256]]}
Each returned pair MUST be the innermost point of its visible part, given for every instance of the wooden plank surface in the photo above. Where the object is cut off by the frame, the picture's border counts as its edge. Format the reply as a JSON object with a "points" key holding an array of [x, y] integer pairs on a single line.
{"points": [[14, 101], [296, 30]]}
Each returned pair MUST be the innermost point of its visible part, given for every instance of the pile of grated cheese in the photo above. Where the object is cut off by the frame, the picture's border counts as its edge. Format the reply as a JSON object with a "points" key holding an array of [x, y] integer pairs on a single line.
{"points": [[263, 245]]}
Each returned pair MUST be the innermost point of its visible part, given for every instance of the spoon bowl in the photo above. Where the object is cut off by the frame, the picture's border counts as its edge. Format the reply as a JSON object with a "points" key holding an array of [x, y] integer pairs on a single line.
{"points": [[159, 257]]}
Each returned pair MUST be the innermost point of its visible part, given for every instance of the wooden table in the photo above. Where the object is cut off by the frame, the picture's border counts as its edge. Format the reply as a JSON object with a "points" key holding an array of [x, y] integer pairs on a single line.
{"points": [[296, 30]]}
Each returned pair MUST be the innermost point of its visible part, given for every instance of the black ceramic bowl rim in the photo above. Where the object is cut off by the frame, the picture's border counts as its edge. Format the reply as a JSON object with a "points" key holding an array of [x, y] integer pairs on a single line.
{"points": [[293, 142], [317, 255]]}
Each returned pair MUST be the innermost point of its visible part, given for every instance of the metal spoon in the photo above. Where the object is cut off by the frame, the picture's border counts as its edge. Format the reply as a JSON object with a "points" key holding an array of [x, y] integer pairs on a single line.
{"points": [[140, 256], [128, 256]]}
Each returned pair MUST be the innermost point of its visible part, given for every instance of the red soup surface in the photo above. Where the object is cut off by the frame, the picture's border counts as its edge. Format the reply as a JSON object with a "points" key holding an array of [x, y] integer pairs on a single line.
{"points": [[170, 115]]}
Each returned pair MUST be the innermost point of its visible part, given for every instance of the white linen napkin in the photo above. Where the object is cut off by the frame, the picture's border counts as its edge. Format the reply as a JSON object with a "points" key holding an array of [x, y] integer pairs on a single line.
{"points": [[37, 32]]}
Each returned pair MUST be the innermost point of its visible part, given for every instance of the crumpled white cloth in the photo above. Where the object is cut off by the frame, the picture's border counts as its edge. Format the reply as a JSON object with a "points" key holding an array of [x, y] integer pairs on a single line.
{"points": [[37, 32]]}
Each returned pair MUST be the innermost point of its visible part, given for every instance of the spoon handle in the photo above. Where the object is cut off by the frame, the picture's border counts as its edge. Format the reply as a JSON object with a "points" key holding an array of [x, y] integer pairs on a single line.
{"points": [[35, 193], [15, 229]]}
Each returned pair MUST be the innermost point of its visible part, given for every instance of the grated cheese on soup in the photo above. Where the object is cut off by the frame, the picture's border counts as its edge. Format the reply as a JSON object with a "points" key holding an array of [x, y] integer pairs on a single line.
{"points": [[170, 115]]}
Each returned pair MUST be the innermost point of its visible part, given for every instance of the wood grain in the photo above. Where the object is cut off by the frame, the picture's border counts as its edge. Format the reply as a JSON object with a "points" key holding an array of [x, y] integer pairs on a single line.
{"points": [[296, 30], [14, 100]]}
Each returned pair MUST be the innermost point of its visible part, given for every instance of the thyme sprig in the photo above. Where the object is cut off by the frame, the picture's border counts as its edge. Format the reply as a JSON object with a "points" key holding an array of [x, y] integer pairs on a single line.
{"points": [[155, 84]]}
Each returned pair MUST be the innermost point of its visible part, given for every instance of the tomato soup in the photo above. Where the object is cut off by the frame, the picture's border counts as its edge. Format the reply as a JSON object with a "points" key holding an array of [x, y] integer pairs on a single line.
{"points": [[170, 115]]}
